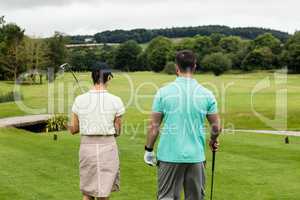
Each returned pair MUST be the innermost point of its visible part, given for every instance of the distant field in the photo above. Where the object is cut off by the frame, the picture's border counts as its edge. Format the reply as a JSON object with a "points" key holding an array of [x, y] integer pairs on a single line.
{"points": [[143, 45], [249, 166], [234, 103]]}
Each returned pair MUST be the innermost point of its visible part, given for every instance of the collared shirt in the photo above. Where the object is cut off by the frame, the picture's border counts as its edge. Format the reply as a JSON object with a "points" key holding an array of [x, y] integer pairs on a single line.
{"points": [[96, 111], [184, 105]]}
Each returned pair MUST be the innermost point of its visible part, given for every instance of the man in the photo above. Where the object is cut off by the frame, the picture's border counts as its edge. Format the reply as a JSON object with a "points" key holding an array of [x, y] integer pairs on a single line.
{"points": [[182, 107]]}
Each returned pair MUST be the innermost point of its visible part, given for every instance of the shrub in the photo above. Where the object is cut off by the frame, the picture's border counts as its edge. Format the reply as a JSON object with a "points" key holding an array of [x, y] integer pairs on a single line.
{"points": [[218, 63], [57, 123], [10, 96], [170, 68], [291, 54], [259, 58], [159, 52], [126, 56]]}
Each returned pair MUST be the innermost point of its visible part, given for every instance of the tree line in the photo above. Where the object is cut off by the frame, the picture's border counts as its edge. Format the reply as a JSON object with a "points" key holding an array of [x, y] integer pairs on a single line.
{"points": [[146, 35], [20, 53], [217, 53]]}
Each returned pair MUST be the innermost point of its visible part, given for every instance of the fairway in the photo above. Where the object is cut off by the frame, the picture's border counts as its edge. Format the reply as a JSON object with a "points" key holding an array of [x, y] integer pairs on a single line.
{"points": [[249, 166], [233, 92]]}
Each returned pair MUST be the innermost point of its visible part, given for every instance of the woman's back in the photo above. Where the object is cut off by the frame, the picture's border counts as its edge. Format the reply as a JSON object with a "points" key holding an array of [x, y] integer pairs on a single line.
{"points": [[96, 111]]}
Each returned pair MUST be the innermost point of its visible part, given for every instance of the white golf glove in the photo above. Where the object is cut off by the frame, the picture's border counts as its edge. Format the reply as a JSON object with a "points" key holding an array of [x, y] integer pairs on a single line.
{"points": [[150, 158]]}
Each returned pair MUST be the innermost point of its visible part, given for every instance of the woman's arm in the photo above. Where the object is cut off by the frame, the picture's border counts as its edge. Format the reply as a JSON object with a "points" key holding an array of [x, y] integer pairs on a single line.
{"points": [[74, 126], [118, 125]]}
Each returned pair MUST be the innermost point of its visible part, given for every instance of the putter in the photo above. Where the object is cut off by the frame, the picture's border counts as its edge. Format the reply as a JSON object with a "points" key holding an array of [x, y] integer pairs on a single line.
{"points": [[213, 174], [68, 67]]}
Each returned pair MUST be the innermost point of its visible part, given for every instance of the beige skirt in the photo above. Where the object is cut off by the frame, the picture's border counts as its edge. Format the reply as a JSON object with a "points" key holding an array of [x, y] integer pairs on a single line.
{"points": [[99, 166]]}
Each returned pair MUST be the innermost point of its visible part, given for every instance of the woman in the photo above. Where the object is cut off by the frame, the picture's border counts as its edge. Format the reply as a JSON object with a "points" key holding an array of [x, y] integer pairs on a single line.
{"points": [[97, 116]]}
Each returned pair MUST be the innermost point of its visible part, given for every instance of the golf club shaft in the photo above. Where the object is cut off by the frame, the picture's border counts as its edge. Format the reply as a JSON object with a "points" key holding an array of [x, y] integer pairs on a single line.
{"points": [[68, 67], [212, 175], [77, 81]]}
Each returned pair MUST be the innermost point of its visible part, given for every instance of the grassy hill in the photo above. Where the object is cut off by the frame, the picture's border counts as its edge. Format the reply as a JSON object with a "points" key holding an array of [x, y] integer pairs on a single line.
{"points": [[145, 35]]}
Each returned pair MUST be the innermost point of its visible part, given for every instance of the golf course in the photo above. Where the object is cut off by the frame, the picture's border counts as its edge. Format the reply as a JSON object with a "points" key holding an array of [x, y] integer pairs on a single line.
{"points": [[248, 165]]}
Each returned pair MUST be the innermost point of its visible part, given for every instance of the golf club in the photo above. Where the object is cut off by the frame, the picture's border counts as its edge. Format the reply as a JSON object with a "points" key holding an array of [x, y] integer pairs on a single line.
{"points": [[69, 68], [213, 174]]}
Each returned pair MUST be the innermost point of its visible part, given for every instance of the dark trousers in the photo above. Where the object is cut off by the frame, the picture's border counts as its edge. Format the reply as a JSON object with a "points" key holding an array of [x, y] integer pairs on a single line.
{"points": [[173, 177]]}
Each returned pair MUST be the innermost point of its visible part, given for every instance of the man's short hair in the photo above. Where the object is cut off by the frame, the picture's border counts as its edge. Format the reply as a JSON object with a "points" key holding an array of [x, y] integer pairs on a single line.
{"points": [[101, 73], [186, 60]]}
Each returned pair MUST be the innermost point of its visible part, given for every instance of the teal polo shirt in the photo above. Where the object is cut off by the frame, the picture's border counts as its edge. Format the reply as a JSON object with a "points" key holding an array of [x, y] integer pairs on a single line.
{"points": [[184, 105]]}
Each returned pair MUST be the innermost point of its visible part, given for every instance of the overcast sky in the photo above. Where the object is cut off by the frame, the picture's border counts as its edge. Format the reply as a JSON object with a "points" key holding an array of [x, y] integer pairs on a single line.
{"points": [[43, 17]]}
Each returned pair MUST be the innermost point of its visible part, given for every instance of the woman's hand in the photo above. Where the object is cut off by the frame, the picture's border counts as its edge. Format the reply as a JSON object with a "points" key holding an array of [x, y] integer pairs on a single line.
{"points": [[74, 127], [118, 125]]}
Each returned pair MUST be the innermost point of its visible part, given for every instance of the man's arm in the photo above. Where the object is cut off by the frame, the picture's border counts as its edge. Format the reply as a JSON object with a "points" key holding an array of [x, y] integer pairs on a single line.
{"points": [[153, 132], [74, 126], [118, 125], [215, 123], [153, 129]]}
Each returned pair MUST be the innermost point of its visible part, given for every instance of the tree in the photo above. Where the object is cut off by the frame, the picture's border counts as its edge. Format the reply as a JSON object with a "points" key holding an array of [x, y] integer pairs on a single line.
{"points": [[91, 57], [238, 56], [259, 58], [2, 20], [186, 43], [143, 62], [158, 53], [203, 46], [107, 55], [268, 40], [83, 59], [291, 54], [218, 63], [77, 59], [127, 56], [216, 38], [146, 35], [170, 68], [35, 55], [231, 44], [57, 51], [11, 57]]}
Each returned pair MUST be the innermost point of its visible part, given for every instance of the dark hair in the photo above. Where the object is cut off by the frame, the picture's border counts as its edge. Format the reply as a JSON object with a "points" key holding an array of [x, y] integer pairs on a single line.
{"points": [[101, 73], [186, 60]]}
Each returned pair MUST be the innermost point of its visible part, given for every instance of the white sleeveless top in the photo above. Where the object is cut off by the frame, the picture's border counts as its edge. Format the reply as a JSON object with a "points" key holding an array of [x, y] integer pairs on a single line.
{"points": [[96, 111]]}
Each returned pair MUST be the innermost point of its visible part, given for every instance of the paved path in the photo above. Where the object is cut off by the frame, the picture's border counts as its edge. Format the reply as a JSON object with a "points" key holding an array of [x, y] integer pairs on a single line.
{"points": [[286, 133], [36, 119], [23, 120]]}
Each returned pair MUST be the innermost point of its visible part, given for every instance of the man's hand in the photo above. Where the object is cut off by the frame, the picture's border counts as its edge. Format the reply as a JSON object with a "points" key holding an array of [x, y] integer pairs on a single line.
{"points": [[150, 158], [214, 144]]}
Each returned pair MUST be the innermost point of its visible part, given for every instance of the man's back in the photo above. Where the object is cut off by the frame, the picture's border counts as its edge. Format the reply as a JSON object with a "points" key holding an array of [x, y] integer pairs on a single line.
{"points": [[184, 105]]}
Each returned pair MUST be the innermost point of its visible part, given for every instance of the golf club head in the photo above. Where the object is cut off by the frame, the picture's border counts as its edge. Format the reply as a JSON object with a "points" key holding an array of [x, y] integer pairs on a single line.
{"points": [[64, 66]]}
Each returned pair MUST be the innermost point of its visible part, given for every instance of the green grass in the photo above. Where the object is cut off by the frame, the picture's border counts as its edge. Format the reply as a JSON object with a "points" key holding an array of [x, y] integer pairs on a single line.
{"points": [[249, 166], [234, 104]]}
